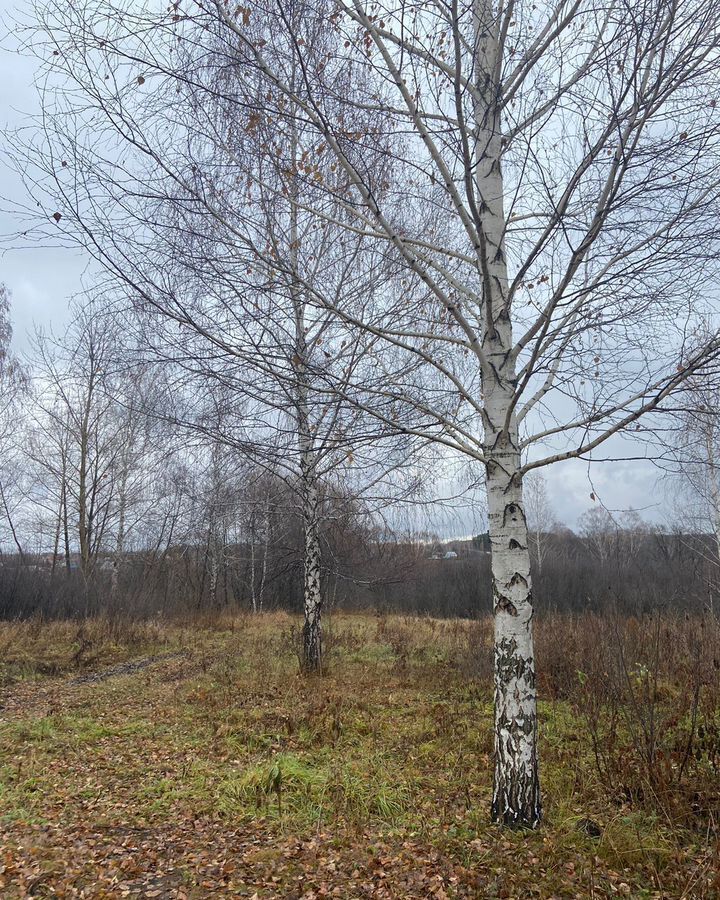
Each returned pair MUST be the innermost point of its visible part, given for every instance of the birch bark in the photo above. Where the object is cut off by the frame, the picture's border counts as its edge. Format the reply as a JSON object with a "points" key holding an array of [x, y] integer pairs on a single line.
{"points": [[516, 790], [120, 541], [312, 593], [266, 541], [312, 629], [252, 571]]}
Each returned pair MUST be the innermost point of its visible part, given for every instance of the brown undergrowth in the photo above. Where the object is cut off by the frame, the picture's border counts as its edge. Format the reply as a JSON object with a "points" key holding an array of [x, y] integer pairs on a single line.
{"points": [[208, 767]]}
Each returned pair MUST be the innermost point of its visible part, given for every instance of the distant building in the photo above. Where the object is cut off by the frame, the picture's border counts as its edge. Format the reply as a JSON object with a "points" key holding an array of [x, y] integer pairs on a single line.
{"points": [[439, 553]]}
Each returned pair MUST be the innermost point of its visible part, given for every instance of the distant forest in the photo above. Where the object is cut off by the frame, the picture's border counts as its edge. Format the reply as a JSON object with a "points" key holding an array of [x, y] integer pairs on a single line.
{"points": [[633, 570]]}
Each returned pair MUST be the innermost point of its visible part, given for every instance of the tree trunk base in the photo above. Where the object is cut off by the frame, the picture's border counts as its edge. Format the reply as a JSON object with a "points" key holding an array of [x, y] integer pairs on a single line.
{"points": [[312, 662], [507, 811]]}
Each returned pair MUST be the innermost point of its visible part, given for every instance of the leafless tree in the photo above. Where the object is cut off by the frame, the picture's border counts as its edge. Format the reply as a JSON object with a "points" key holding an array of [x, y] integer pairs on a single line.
{"points": [[13, 387], [237, 253], [539, 512], [692, 460], [90, 442], [600, 530], [75, 411], [262, 500], [544, 179]]}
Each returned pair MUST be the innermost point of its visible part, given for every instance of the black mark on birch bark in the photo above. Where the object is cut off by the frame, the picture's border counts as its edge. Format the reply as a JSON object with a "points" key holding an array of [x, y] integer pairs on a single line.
{"points": [[516, 580], [512, 511], [505, 604], [511, 666]]}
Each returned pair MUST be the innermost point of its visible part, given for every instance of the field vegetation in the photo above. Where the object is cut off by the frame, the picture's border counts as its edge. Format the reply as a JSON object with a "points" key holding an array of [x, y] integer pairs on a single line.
{"points": [[191, 760]]}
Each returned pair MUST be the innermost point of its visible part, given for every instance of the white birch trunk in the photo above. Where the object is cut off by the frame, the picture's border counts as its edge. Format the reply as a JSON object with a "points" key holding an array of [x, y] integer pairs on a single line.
{"points": [[539, 549], [516, 791], [56, 542], [120, 543], [85, 519], [263, 568], [252, 569], [214, 568], [312, 594]]}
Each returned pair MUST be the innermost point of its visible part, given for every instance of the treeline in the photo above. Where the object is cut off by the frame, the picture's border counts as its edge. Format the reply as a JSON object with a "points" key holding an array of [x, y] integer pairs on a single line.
{"points": [[633, 573], [627, 571]]}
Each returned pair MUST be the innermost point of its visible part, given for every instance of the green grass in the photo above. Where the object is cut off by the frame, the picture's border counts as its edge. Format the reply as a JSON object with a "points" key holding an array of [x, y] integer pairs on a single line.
{"points": [[306, 792], [392, 749]]}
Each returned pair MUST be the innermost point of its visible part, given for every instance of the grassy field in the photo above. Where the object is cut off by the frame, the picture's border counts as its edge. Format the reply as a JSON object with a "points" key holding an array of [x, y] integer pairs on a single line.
{"points": [[192, 762]]}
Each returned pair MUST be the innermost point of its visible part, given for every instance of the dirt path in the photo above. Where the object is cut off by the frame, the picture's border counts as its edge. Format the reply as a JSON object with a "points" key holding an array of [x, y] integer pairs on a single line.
{"points": [[127, 668], [45, 696]]}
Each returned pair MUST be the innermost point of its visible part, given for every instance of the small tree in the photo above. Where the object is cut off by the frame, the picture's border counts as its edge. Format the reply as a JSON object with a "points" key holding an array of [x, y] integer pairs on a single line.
{"points": [[540, 516], [13, 389], [93, 448], [692, 460]]}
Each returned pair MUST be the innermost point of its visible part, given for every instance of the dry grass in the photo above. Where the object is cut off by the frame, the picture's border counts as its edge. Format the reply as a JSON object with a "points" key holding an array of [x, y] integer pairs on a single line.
{"points": [[232, 775]]}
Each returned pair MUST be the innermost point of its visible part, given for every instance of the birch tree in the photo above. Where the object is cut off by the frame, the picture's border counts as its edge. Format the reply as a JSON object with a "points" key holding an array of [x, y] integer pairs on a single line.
{"points": [[602, 533], [91, 445], [569, 156], [76, 414], [692, 460], [548, 200], [261, 530], [539, 514], [224, 227], [13, 389]]}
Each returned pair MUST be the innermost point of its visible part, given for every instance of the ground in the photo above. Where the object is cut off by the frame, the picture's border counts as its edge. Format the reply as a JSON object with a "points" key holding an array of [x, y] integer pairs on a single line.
{"points": [[195, 762]]}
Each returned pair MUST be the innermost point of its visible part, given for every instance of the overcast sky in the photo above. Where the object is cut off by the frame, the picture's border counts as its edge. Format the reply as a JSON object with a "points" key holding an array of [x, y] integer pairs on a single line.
{"points": [[43, 280]]}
